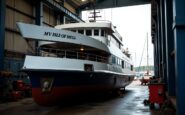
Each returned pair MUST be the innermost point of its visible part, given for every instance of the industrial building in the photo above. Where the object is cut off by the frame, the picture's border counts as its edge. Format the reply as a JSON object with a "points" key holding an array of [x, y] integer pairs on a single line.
{"points": [[168, 33], [46, 13]]}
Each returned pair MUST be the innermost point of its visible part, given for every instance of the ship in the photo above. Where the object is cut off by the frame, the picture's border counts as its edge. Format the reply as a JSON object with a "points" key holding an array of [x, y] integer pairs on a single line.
{"points": [[75, 58]]}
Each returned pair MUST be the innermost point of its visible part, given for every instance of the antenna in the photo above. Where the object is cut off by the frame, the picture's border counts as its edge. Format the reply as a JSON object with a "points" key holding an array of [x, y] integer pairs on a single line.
{"points": [[94, 13]]}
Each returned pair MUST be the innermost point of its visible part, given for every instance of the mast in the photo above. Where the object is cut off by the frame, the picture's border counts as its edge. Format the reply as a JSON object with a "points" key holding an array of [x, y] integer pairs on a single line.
{"points": [[94, 13], [147, 66], [147, 55]]}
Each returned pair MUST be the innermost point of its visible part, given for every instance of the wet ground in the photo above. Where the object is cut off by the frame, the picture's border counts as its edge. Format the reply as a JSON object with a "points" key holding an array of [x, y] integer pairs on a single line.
{"points": [[130, 103]]}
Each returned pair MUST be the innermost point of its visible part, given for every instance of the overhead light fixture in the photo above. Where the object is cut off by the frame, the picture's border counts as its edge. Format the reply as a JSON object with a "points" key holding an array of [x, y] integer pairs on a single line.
{"points": [[84, 0], [81, 49]]}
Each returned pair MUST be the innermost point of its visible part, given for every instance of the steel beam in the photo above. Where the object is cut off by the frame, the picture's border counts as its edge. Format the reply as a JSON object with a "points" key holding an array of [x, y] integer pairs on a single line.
{"points": [[158, 40], [62, 18], [39, 13], [2, 32], [155, 57], [169, 48], [38, 18], [59, 7], [101, 4], [179, 37], [156, 64], [163, 43]]}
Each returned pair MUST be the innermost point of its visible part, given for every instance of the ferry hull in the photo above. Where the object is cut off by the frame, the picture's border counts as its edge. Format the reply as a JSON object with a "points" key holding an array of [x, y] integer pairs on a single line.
{"points": [[66, 84]]}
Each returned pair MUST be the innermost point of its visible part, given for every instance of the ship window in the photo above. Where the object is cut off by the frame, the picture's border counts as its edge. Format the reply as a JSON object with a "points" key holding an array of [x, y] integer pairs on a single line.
{"points": [[81, 31], [88, 67], [96, 32], [122, 64], [113, 59], [73, 30], [131, 68], [88, 32], [119, 46], [102, 33]]}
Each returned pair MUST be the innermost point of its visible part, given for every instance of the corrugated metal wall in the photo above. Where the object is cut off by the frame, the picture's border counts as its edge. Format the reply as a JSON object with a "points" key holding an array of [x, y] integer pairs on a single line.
{"points": [[17, 10], [49, 16], [24, 11], [15, 46]]}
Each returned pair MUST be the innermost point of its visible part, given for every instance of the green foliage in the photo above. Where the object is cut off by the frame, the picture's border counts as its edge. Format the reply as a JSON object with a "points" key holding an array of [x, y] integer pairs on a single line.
{"points": [[144, 68]]}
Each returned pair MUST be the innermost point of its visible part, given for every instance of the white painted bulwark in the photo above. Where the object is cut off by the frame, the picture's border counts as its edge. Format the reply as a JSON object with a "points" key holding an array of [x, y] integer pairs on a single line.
{"points": [[42, 33]]}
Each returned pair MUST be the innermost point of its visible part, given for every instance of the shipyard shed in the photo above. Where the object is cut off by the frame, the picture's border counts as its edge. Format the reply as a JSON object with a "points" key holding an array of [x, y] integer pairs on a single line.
{"points": [[13, 47], [168, 31]]}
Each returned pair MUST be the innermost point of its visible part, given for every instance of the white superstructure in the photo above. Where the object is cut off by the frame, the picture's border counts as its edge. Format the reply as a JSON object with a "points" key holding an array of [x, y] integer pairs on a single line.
{"points": [[77, 44]]}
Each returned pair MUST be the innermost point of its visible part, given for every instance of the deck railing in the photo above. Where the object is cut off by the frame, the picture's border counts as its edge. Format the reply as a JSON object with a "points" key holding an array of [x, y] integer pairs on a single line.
{"points": [[50, 52]]}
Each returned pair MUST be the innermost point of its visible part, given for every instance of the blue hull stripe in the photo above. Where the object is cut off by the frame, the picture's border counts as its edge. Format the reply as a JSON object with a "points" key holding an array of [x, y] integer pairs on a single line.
{"points": [[76, 78]]}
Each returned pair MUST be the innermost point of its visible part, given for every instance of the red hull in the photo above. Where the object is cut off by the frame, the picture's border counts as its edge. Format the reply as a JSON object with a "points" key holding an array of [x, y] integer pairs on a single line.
{"points": [[59, 94]]}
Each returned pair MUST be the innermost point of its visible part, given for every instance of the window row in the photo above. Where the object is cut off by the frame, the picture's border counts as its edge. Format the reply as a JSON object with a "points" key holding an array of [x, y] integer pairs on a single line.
{"points": [[122, 63], [115, 42], [93, 32]]}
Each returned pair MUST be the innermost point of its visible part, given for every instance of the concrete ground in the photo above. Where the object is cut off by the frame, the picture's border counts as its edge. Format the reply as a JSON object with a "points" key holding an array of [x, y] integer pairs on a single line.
{"points": [[130, 103]]}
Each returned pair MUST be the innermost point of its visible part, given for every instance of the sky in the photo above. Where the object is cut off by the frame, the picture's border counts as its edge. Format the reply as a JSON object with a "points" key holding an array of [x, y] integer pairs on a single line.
{"points": [[133, 23]]}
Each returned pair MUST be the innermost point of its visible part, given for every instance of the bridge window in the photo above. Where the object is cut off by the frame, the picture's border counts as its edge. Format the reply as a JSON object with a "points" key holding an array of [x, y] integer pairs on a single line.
{"points": [[73, 30], [131, 68], [113, 59], [102, 33], [88, 32], [122, 63], [119, 46], [96, 32], [81, 31]]}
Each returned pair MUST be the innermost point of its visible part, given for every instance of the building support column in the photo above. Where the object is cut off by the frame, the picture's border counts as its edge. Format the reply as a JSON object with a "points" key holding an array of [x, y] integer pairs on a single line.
{"points": [[179, 40], [163, 43], [38, 18], [62, 18], [159, 52], [2, 32], [169, 48], [39, 13], [155, 57]]}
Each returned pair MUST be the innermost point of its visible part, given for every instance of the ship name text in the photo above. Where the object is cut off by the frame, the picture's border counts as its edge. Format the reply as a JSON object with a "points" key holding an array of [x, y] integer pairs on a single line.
{"points": [[59, 35]]}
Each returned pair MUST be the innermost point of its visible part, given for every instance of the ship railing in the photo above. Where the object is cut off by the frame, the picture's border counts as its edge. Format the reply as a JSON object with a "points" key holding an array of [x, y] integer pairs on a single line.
{"points": [[51, 52]]}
